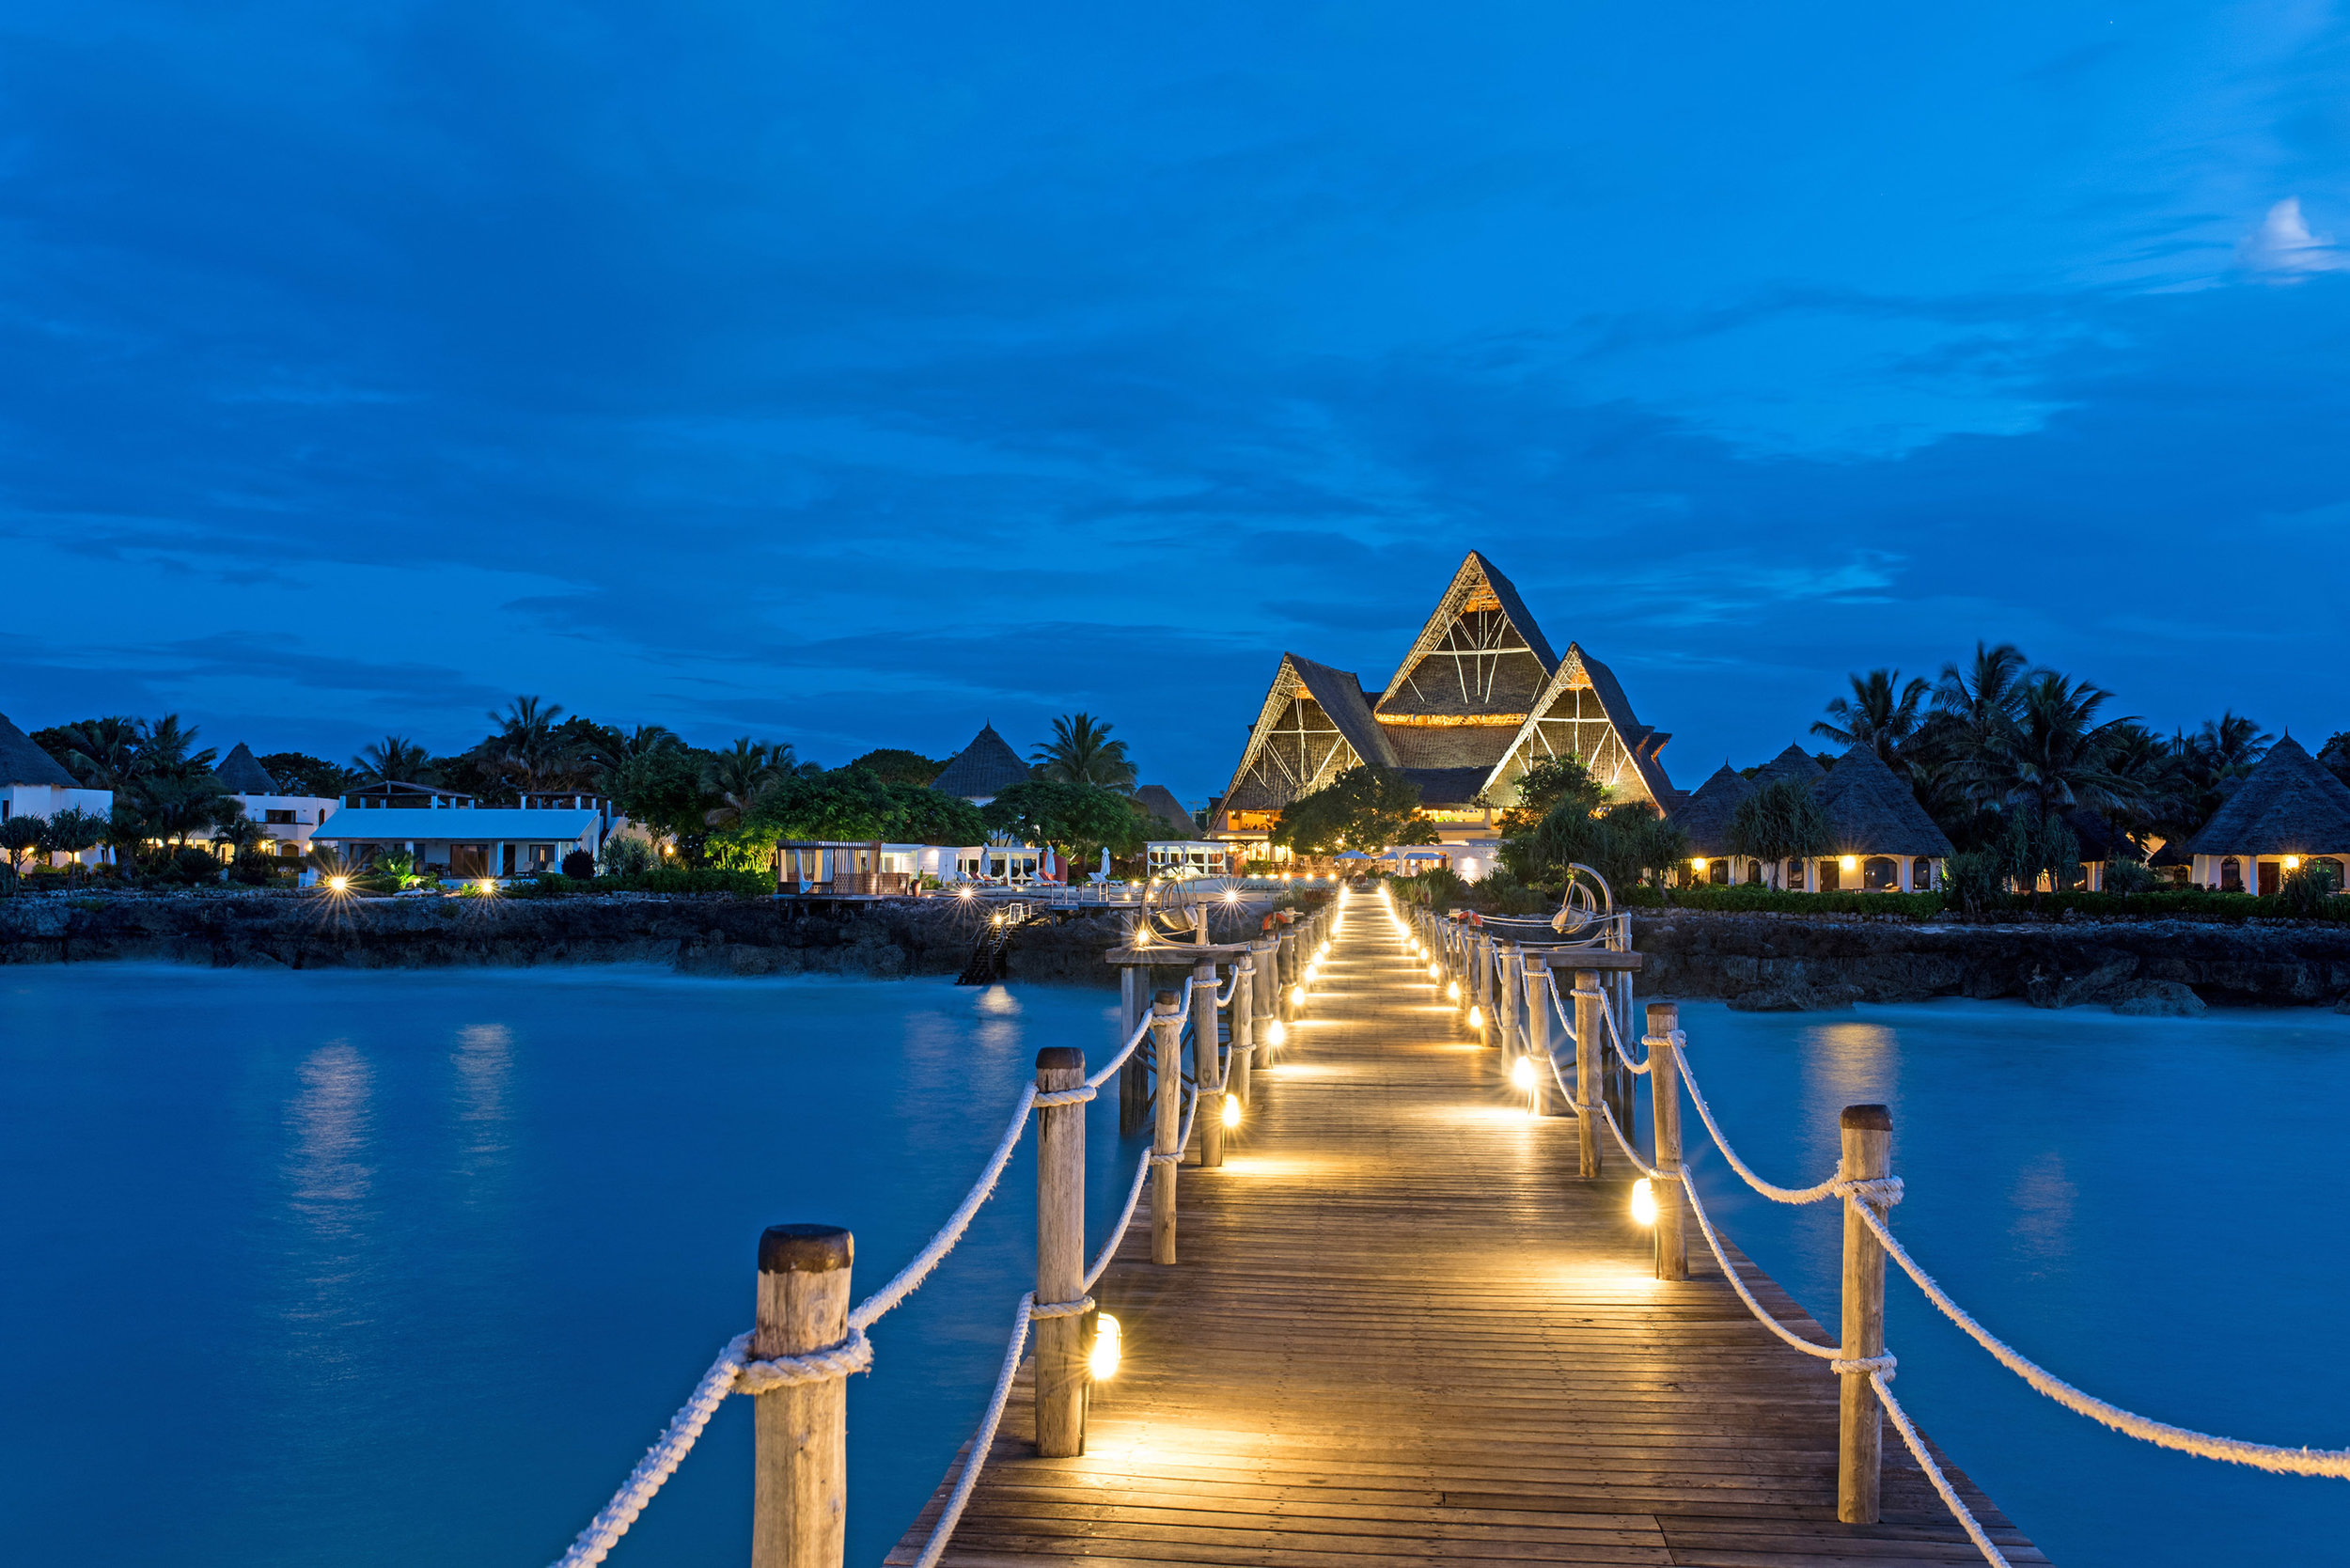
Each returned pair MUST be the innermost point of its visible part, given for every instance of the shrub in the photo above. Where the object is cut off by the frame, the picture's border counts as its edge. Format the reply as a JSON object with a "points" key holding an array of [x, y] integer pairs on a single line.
{"points": [[2305, 893], [579, 865], [2131, 876], [1754, 899], [624, 854], [1973, 879], [255, 866]]}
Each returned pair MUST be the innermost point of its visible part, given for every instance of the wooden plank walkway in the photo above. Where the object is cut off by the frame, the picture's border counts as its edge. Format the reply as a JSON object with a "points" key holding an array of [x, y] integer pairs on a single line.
{"points": [[1403, 1331]]}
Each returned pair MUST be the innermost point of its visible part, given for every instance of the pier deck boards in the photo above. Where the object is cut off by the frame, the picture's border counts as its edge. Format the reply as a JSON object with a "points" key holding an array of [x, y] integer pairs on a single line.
{"points": [[1403, 1331]]}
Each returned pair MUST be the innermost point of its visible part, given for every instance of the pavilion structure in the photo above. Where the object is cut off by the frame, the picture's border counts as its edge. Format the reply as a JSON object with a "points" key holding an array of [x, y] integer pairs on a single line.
{"points": [[2288, 810], [1478, 699], [1881, 840]]}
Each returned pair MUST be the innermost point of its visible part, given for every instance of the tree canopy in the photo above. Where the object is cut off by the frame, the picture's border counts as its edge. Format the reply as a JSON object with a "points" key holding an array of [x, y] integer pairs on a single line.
{"points": [[1073, 818], [1365, 809], [1624, 843]]}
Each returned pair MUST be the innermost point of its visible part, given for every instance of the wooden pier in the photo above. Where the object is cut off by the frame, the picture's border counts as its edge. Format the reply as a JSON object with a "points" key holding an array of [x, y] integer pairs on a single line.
{"points": [[1402, 1329]]}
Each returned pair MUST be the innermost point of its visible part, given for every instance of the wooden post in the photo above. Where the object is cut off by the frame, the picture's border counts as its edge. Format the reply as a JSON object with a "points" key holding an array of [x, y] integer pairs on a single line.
{"points": [[1618, 1073], [1291, 968], [1241, 1022], [1060, 1256], [1485, 986], [1166, 1026], [1506, 994], [1265, 953], [1664, 1088], [1207, 1065], [800, 1486], [1868, 1132], [1588, 1002], [1133, 1079], [1538, 1035]]}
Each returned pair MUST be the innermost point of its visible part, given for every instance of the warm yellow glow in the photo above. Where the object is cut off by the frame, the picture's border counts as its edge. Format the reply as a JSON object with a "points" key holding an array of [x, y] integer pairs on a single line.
{"points": [[1849, 863], [1432, 971], [1643, 1201], [2292, 862], [1275, 1033], [1298, 995], [1231, 895], [1477, 1017], [1522, 1073], [1313, 972], [488, 886], [338, 884], [1697, 862], [995, 919], [1232, 1110], [962, 892], [1452, 991], [1107, 1347]]}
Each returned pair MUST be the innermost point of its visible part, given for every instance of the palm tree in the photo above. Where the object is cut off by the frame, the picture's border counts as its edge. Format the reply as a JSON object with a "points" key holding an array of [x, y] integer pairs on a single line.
{"points": [[2055, 753], [740, 775], [73, 830], [1880, 714], [394, 760], [643, 741], [1082, 752], [1987, 690], [526, 747], [105, 752], [167, 749]]}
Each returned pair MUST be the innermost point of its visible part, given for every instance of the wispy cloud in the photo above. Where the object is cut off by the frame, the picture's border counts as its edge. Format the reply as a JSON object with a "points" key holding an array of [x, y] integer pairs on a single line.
{"points": [[2285, 247]]}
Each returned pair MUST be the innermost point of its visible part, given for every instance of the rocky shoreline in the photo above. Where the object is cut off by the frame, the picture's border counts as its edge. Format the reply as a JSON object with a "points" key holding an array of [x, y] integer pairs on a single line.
{"points": [[1762, 963]]}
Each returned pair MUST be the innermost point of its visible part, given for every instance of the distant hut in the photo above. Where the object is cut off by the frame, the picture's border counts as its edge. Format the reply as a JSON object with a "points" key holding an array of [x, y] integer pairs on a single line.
{"points": [[1160, 801], [982, 770], [1794, 762], [1704, 816], [2102, 844], [2289, 810], [1881, 833]]}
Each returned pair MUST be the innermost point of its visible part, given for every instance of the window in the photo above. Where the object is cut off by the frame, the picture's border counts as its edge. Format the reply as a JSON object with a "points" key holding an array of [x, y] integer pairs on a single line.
{"points": [[289, 850], [1717, 872], [1880, 873], [277, 819], [1831, 874]]}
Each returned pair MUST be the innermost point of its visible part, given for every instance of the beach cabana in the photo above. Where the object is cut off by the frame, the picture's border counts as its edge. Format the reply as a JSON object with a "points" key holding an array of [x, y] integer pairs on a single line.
{"points": [[2289, 810]]}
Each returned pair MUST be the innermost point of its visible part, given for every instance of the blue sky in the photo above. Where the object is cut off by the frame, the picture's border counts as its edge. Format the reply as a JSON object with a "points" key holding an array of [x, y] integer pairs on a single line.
{"points": [[848, 375]]}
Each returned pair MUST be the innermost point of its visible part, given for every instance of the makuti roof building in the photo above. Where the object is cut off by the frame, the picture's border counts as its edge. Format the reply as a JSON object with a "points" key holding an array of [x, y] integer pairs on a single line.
{"points": [[1478, 699]]}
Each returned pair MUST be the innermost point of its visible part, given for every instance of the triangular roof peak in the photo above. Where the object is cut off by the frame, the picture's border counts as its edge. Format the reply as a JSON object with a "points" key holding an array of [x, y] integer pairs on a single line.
{"points": [[1479, 658], [2290, 803], [1582, 710], [982, 770], [240, 773]]}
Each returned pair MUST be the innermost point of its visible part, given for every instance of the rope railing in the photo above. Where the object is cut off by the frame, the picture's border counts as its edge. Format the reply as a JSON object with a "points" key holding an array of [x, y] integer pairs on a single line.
{"points": [[1869, 1202], [734, 1372]]}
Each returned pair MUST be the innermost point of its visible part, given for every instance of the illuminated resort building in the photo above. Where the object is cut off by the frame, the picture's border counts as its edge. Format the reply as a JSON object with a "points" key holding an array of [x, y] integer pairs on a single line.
{"points": [[1478, 699], [2288, 811], [1881, 840], [287, 820]]}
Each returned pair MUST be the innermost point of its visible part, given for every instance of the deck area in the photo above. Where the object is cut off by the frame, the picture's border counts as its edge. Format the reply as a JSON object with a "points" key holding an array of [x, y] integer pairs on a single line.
{"points": [[1403, 1331]]}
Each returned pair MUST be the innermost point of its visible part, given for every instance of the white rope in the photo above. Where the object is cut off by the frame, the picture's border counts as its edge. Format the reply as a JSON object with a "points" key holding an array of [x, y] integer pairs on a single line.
{"points": [[1934, 1473], [1076, 1308], [1705, 1113], [853, 1354], [981, 1441], [1825, 1353], [903, 1285], [1117, 1232], [2259, 1456], [660, 1461], [1133, 1041], [1047, 1098]]}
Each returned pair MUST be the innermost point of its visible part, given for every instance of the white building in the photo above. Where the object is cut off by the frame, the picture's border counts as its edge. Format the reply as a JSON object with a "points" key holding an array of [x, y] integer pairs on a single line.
{"points": [[449, 836], [287, 820], [34, 784]]}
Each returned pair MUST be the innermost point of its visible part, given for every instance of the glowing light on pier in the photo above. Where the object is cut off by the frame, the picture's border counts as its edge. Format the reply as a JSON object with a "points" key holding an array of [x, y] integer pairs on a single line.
{"points": [[1643, 1203], [1521, 1074], [1452, 991], [338, 884], [1477, 1017], [1108, 1345], [1276, 1032], [1232, 1110]]}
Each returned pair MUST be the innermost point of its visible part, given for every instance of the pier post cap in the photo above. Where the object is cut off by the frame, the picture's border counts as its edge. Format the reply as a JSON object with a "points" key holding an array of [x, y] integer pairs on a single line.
{"points": [[1164, 998], [1061, 1059], [1587, 980], [804, 1248], [1869, 1118], [1665, 1013], [1204, 969]]}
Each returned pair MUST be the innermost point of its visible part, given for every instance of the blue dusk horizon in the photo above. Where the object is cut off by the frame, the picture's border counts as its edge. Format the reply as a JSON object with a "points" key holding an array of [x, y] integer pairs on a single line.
{"points": [[851, 377]]}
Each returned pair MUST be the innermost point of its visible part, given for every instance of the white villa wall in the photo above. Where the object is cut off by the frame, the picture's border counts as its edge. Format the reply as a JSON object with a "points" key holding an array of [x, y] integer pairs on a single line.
{"points": [[47, 800]]}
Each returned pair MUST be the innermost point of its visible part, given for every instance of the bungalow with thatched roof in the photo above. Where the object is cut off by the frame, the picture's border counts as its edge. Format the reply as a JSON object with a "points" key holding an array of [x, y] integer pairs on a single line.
{"points": [[1883, 840], [982, 770], [35, 784], [2288, 811], [288, 821]]}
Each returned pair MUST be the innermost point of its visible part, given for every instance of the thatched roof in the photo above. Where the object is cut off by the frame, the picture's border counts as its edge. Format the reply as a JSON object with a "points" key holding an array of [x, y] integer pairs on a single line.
{"points": [[22, 762], [2289, 805], [1340, 696], [1704, 816], [1794, 762], [241, 774], [1446, 786], [1874, 810], [982, 770], [1160, 801], [2100, 841], [1514, 675]]}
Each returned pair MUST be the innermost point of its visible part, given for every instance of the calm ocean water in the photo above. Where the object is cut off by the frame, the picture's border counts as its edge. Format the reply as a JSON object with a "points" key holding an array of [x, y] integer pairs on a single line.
{"points": [[373, 1269]]}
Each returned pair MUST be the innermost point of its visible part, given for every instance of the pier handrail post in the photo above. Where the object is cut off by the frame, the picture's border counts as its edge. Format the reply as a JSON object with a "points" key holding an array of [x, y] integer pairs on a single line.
{"points": [[1588, 1001], [1291, 969], [1265, 953], [1664, 1088], [1485, 988], [1868, 1140], [1207, 1064], [1060, 1256], [1241, 1026], [1166, 1029], [1133, 1079], [800, 1482], [1538, 1034], [1506, 997]]}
